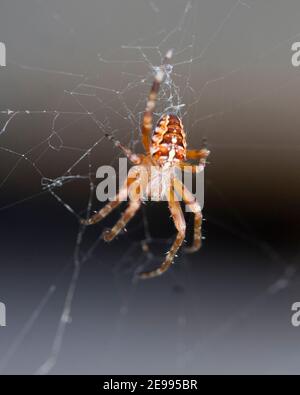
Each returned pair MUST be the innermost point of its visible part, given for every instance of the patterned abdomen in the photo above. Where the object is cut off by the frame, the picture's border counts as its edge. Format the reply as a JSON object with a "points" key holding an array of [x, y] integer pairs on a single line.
{"points": [[168, 140]]}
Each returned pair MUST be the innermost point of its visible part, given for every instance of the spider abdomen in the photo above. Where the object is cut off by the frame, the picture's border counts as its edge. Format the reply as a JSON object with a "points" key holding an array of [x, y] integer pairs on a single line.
{"points": [[168, 143]]}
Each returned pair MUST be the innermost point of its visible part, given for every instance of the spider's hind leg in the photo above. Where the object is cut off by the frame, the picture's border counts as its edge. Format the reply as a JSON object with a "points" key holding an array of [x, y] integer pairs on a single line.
{"points": [[195, 208], [110, 206], [101, 214], [192, 203], [179, 221], [128, 214]]}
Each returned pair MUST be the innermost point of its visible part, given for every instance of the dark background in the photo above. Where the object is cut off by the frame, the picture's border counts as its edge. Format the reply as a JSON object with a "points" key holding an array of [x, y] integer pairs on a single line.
{"points": [[225, 309]]}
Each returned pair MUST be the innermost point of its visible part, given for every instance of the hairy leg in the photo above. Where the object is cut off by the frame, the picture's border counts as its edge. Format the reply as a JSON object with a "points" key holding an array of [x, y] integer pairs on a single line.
{"points": [[179, 222], [192, 203], [110, 206], [128, 214]]}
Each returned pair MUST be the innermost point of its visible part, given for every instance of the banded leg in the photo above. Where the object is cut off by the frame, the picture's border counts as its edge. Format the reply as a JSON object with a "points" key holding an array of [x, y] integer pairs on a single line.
{"points": [[179, 221], [129, 213], [147, 125], [110, 206], [190, 200]]}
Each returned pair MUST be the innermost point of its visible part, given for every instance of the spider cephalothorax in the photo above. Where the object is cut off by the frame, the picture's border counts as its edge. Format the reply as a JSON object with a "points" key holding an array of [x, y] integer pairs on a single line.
{"points": [[154, 177]]}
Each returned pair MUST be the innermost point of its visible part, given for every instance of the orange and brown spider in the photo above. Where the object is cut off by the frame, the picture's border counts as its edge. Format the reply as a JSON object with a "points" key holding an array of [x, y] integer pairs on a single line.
{"points": [[165, 151]]}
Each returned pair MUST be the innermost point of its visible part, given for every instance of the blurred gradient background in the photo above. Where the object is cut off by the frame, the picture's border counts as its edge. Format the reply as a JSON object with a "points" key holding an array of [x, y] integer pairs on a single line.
{"points": [[225, 309]]}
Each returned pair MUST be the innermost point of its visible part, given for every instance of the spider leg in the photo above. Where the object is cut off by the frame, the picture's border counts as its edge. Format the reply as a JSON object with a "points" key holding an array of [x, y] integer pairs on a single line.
{"points": [[200, 155], [179, 222], [147, 125], [190, 200], [190, 168], [134, 158], [110, 206], [128, 214]]}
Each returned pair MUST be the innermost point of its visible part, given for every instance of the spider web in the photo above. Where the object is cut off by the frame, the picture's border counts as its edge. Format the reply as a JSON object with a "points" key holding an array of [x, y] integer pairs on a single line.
{"points": [[65, 141]]}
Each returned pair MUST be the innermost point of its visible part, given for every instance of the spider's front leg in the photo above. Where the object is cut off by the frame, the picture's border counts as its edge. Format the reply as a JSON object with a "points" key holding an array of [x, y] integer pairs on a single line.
{"points": [[179, 222], [147, 122]]}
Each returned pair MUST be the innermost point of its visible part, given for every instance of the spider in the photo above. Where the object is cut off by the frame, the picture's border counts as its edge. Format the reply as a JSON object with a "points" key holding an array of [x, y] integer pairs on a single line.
{"points": [[165, 151]]}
